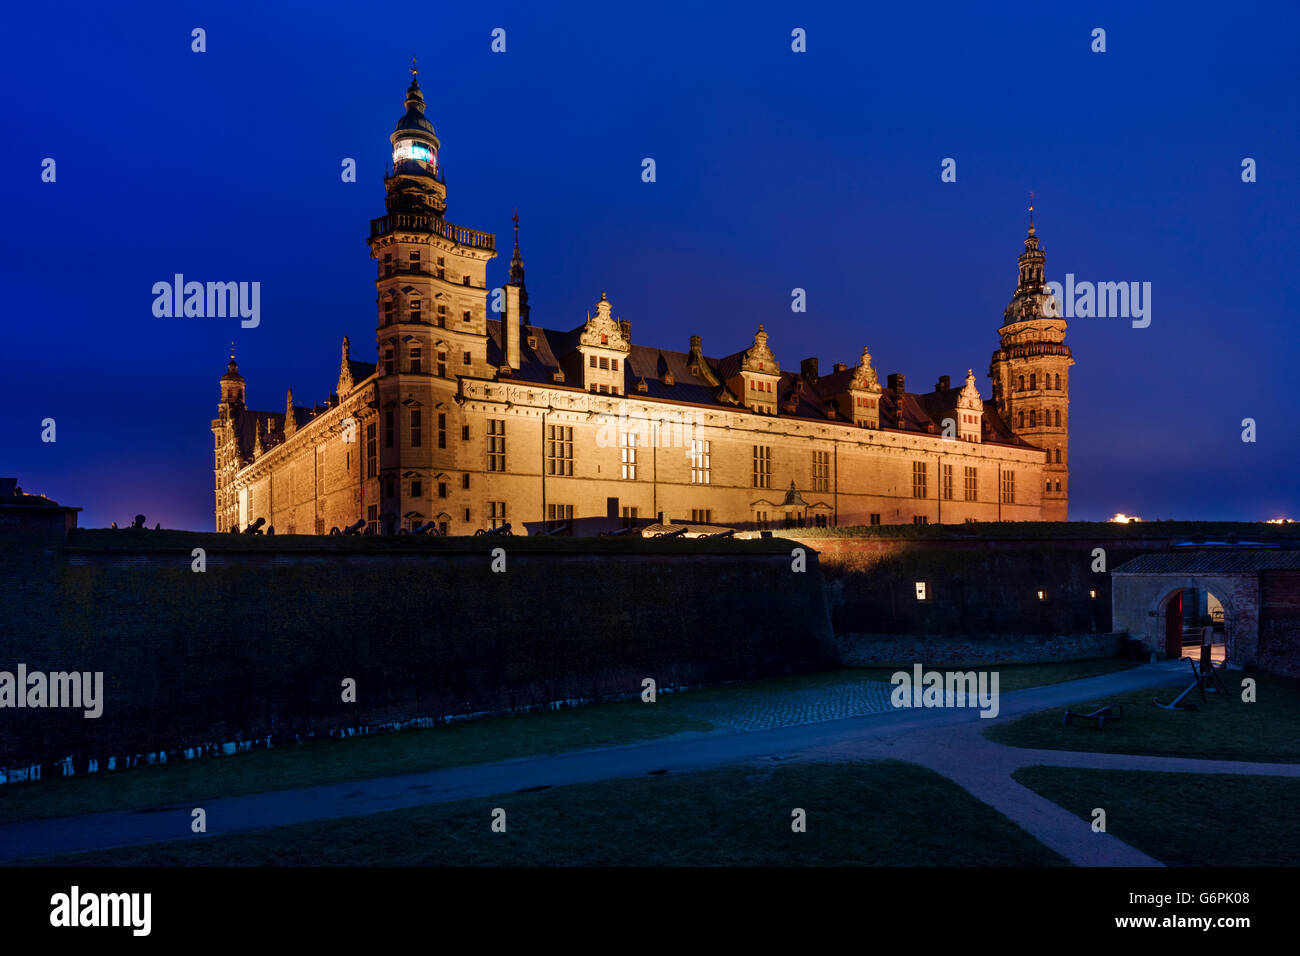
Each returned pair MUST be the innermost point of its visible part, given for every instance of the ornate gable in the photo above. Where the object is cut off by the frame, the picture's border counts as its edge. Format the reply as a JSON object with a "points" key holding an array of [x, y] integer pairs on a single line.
{"points": [[603, 330], [864, 376], [758, 357]]}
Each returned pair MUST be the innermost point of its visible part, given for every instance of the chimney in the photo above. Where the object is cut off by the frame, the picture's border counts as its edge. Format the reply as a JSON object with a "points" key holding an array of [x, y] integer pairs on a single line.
{"points": [[808, 369], [840, 367], [510, 327], [896, 382], [943, 385]]}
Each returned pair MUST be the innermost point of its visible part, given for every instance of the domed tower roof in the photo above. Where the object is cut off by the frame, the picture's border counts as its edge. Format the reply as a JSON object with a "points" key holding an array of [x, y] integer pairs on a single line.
{"points": [[414, 120]]}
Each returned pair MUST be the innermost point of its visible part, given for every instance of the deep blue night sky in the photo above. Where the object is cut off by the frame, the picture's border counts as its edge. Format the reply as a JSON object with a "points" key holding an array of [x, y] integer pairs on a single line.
{"points": [[776, 170]]}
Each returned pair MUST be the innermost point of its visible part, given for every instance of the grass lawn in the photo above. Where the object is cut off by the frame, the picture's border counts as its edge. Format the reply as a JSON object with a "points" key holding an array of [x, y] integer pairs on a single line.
{"points": [[1224, 728], [1183, 819], [451, 745], [884, 813]]}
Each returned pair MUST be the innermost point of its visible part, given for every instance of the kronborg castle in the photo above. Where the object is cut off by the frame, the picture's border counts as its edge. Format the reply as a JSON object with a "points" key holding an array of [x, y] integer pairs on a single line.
{"points": [[467, 422]]}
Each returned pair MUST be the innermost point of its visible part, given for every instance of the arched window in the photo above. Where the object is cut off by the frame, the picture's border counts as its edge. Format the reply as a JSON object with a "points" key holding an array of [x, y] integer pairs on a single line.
{"points": [[1058, 380], [1022, 383], [1022, 420], [1058, 418], [1058, 456], [1033, 419], [1033, 382], [1058, 486]]}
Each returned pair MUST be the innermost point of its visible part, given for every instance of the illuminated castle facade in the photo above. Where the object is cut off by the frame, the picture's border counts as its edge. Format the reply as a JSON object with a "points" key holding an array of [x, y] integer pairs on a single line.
{"points": [[473, 414]]}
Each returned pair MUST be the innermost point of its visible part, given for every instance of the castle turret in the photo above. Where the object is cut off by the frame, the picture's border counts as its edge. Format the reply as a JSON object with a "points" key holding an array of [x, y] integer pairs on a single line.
{"points": [[1030, 373]]}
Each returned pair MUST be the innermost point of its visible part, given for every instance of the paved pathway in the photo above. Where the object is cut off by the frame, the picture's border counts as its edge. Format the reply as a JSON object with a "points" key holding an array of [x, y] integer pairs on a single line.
{"points": [[947, 740]]}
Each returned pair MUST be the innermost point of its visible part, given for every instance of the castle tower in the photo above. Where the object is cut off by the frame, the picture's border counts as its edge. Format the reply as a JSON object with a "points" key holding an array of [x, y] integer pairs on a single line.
{"points": [[432, 316], [1031, 377], [225, 444]]}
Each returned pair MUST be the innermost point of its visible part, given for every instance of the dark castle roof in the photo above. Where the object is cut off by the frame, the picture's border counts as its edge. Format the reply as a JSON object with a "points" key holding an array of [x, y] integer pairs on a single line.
{"points": [[555, 350]]}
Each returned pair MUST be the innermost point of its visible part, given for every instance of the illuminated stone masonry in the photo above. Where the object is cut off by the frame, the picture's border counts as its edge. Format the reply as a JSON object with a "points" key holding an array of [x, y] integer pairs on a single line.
{"points": [[466, 422]]}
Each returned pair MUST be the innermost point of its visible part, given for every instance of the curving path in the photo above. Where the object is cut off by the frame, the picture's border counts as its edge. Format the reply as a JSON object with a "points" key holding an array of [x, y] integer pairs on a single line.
{"points": [[948, 741]]}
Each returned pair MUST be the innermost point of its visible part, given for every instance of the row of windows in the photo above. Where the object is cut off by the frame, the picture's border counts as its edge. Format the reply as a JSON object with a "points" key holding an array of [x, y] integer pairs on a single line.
{"points": [[559, 457], [415, 361], [1033, 418], [606, 363], [1033, 382]]}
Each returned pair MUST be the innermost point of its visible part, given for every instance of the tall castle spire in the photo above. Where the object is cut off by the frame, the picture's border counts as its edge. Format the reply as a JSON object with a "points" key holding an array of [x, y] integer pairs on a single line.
{"points": [[1030, 373]]}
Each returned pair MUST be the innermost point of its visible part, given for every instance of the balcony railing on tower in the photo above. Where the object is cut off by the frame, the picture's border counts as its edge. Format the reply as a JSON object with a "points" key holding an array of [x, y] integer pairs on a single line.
{"points": [[411, 222]]}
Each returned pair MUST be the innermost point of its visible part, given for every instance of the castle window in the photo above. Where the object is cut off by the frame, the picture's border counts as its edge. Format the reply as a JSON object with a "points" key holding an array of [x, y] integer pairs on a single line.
{"points": [[415, 360], [971, 487], [559, 516], [415, 261], [465, 316], [442, 528], [604, 339], [1058, 380], [1049, 487], [464, 280], [821, 470], [496, 513], [1022, 420], [701, 516], [613, 364], [1058, 486], [417, 432], [467, 516], [559, 452], [604, 363], [467, 359], [388, 361], [388, 429], [918, 479], [1008, 487], [922, 590], [920, 519], [627, 444], [371, 451], [762, 470], [388, 312], [442, 430], [442, 489], [464, 433], [416, 308], [1033, 382], [1058, 456], [496, 451], [1033, 418], [1058, 418], [1022, 384], [945, 481], [417, 489], [442, 364], [874, 518], [591, 361], [700, 467], [464, 480]]}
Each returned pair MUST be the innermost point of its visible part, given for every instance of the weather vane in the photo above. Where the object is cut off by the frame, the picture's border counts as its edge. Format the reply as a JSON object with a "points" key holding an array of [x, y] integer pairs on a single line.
{"points": [[414, 71]]}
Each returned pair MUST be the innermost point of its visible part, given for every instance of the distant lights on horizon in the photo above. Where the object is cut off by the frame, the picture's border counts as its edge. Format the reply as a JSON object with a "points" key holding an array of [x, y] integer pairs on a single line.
{"points": [[1121, 518], [1280, 521]]}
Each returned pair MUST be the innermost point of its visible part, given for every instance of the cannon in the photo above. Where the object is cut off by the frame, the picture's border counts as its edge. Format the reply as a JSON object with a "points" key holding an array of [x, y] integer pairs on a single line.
{"points": [[355, 528], [255, 527]]}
